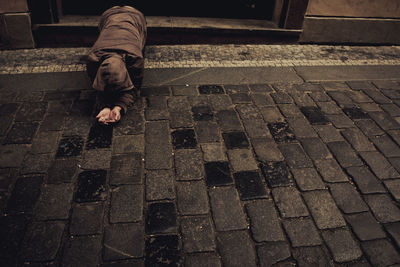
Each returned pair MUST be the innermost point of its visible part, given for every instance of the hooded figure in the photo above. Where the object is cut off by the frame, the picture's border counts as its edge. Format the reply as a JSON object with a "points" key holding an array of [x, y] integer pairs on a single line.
{"points": [[115, 62]]}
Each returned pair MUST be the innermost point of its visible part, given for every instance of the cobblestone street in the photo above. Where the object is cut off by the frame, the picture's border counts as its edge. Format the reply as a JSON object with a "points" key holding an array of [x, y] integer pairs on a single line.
{"points": [[252, 166]]}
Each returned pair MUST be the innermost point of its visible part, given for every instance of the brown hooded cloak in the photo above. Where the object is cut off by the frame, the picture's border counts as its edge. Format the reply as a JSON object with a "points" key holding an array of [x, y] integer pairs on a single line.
{"points": [[115, 62]]}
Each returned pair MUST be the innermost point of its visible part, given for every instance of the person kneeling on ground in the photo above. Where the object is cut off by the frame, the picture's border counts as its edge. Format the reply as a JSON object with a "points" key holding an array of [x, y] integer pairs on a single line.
{"points": [[115, 62]]}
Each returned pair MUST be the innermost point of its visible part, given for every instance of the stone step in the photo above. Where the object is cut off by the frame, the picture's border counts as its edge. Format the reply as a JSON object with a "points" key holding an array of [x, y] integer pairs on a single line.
{"points": [[78, 31]]}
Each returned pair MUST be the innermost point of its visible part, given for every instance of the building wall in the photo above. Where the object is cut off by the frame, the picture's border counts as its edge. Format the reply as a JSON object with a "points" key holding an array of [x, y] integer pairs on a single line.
{"points": [[352, 22]]}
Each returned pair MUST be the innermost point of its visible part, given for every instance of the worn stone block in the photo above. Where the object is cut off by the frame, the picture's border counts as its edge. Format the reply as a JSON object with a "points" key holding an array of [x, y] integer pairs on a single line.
{"points": [[161, 218], [25, 194], [96, 159], [235, 140], [188, 164], [21, 133], [311, 256], [45, 142], [100, 136], [126, 204], [158, 156], [37, 163], [365, 180], [273, 253], [70, 147], [87, 219], [228, 120], [240, 98], [12, 231], [365, 226], [213, 152], [203, 259], [162, 249], [308, 179], [281, 132], [192, 198], [198, 235], [381, 252], [276, 173], [264, 221], [301, 128], [340, 121], [344, 154], [236, 248], [180, 119], [184, 90], [314, 115], [160, 185], [281, 98], [262, 100], [330, 171], [220, 102], [342, 245], [249, 185], [295, 156], [323, 209], [54, 202], [157, 132], [384, 120], [31, 111], [315, 148], [82, 251], [184, 139], [218, 173], [123, 241], [386, 146], [226, 209], [328, 133], [383, 208], [256, 128], [242, 160], [376, 95], [202, 113], [207, 131], [128, 144], [358, 140], [394, 188], [302, 232], [347, 198], [289, 202], [266, 150], [379, 165], [91, 186], [369, 127], [210, 89], [62, 171], [272, 114], [329, 108]]}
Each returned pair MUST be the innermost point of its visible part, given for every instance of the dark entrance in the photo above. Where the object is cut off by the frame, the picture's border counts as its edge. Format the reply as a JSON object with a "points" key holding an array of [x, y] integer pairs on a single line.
{"points": [[238, 9]]}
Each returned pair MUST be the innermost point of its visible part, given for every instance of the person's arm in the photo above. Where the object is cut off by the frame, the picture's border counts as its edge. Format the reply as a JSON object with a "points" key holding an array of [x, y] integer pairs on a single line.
{"points": [[124, 100]]}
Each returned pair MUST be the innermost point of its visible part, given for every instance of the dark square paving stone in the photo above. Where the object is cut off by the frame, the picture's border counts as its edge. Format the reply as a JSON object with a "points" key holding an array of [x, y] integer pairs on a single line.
{"points": [[211, 89], [155, 91], [70, 147], [25, 194], [342, 245], [54, 202], [82, 107], [365, 226], [314, 115], [381, 253], [5, 124], [12, 231], [161, 218], [281, 132], [123, 241], [218, 173], [100, 136], [202, 113], [82, 251], [235, 140], [91, 186], [21, 133], [203, 259], [62, 171], [87, 219], [42, 241], [276, 173], [355, 113], [163, 251], [8, 109], [249, 185], [184, 139], [365, 180]]}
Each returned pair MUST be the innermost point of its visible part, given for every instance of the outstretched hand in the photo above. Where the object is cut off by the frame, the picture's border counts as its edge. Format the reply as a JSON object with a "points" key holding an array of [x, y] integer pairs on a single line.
{"points": [[107, 115]]}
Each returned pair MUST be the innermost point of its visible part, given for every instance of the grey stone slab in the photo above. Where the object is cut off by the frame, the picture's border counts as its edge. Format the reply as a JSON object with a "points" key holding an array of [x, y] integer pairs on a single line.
{"points": [[45, 142], [290, 111], [123, 241], [308, 179], [365, 180], [272, 253], [384, 209], [311, 256], [264, 221], [157, 132], [156, 114], [207, 132], [237, 75], [318, 96], [260, 88], [340, 121], [358, 140], [341, 98], [31, 111], [331, 171], [128, 144], [126, 204], [295, 156], [377, 96], [342, 245], [359, 97], [248, 112], [385, 144], [21, 133], [242, 160], [77, 125], [262, 100], [160, 185], [315, 148], [96, 159], [301, 128], [184, 90], [328, 133], [42, 241], [370, 107], [369, 127], [226, 209], [188, 164], [87, 219], [344, 154], [379, 165], [271, 114], [381, 253], [62, 171], [289, 202], [347, 198], [213, 152], [180, 119], [82, 251], [220, 102], [323, 209], [387, 84], [228, 121], [334, 85], [365, 226], [329, 108], [198, 234], [158, 157], [281, 98], [240, 98], [256, 128], [359, 85], [385, 121], [302, 99], [179, 103], [236, 249], [302, 232], [392, 109], [192, 198], [394, 188], [347, 73], [36, 163], [54, 202], [394, 232], [266, 150], [395, 134], [203, 259]]}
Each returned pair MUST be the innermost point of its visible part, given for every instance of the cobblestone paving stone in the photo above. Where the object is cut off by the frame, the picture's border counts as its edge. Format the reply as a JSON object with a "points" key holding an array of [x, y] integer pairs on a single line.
{"points": [[178, 56], [247, 182]]}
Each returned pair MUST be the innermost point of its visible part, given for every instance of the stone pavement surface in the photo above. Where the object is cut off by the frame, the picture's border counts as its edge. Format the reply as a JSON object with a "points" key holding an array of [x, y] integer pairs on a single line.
{"points": [[211, 167]]}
